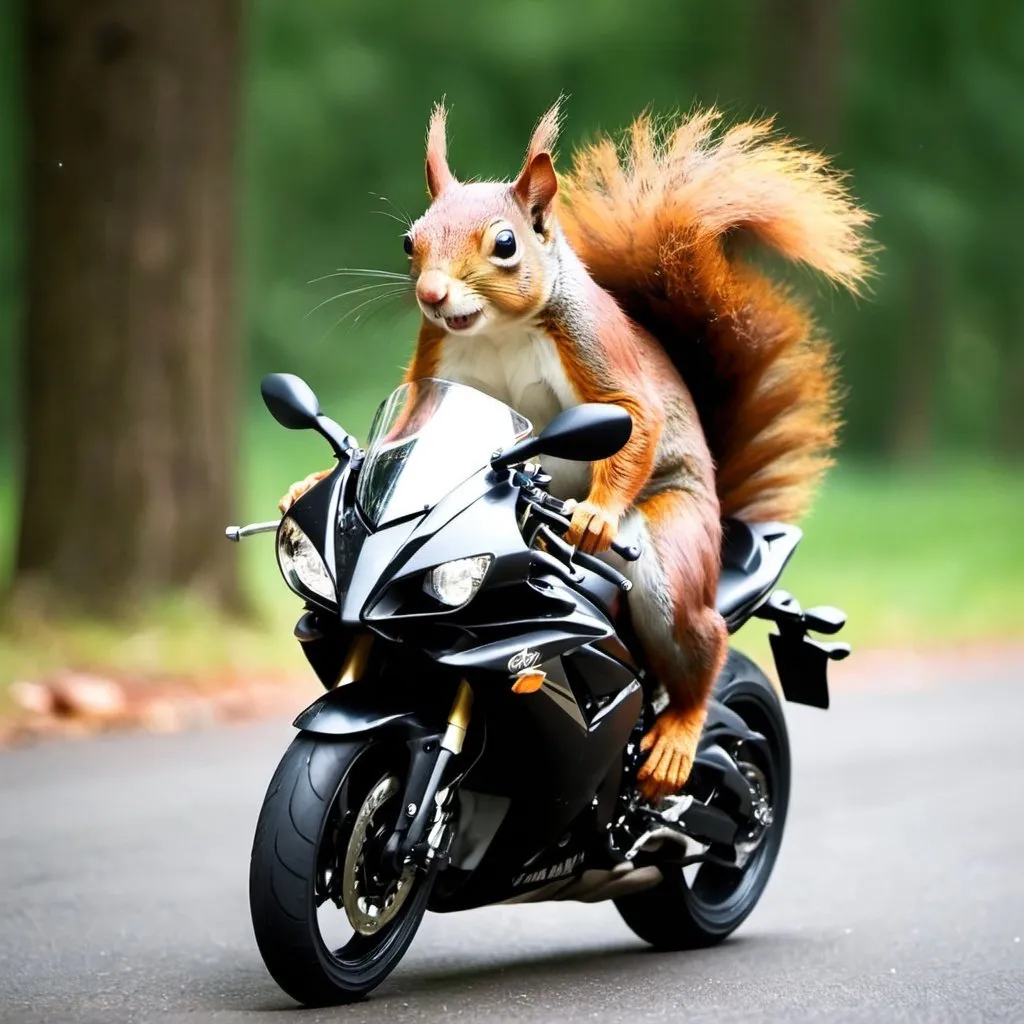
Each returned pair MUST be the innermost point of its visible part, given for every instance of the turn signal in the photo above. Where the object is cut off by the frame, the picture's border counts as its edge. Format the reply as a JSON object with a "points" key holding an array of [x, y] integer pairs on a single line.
{"points": [[528, 681]]}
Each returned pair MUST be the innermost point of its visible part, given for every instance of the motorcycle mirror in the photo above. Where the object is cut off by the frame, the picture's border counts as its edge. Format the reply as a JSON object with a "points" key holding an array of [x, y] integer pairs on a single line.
{"points": [[293, 403], [585, 433]]}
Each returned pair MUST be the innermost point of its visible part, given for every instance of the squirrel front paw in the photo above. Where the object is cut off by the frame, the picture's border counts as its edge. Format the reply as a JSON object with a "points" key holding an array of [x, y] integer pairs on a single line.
{"points": [[671, 745], [593, 528], [298, 489]]}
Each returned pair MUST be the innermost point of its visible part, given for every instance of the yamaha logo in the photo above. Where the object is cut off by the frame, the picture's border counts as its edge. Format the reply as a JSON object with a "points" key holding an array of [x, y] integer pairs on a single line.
{"points": [[561, 870], [523, 659]]}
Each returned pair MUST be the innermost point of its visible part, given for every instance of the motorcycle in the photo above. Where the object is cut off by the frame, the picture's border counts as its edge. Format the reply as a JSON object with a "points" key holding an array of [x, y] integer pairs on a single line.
{"points": [[479, 738]]}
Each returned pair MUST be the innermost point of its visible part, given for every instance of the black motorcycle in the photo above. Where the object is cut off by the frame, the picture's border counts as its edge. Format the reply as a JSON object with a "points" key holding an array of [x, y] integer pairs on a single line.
{"points": [[478, 742]]}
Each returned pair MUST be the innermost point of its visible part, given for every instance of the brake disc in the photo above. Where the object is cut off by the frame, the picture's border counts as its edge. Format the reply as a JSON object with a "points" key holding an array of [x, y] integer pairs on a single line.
{"points": [[370, 900]]}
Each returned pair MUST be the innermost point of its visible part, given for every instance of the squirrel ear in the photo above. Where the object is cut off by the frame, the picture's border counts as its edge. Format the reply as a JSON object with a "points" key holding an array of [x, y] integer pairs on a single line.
{"points": [[536, 189], [537, 184], [439, 177]]}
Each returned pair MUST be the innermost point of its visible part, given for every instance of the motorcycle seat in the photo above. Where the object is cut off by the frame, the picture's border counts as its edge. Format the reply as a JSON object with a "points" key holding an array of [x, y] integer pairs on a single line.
{"points": [[753, 557]]}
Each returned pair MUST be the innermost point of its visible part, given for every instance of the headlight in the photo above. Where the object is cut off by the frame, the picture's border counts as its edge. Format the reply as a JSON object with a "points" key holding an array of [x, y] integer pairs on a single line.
{"points": [[301, 565], [455, 583]]}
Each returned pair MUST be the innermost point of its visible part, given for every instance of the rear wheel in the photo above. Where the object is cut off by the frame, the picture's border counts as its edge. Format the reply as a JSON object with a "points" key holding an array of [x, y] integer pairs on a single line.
{"points": [[702, 904], [331, 921]]}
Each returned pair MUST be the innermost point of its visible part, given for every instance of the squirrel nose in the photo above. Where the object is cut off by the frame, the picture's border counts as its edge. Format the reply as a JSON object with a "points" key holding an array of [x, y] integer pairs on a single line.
{"points": [[432, 288]]}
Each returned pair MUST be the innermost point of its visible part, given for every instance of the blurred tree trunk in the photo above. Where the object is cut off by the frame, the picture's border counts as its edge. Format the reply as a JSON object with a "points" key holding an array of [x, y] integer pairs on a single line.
{"points": [[131, 356], [799, 43]]}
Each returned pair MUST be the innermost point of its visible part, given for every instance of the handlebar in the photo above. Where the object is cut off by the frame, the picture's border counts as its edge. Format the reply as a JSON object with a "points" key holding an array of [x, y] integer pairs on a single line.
{"points": [[630, 552], [549, 509], [553, 511], [236, 533]]}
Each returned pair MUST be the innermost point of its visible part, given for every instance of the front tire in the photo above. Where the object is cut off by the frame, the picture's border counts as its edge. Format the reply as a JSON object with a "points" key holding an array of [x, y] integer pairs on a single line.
{"points": [[326, 798], [693, 912]]}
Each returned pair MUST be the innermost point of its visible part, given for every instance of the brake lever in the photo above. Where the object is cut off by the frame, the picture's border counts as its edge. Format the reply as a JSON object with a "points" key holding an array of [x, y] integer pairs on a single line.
{"points": [[603, 569], [568, 555], [552, 511], [556, 550]]}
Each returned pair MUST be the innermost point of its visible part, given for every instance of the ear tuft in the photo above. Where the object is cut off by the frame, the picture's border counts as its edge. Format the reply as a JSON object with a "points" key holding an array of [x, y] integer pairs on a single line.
{"points": [[545, 135], [537, 183], [439, 177]]}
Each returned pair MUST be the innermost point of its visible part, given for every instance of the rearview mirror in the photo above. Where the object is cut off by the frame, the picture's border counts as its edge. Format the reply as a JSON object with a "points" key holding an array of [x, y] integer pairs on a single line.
{"points": [[291, 401], [294, 405], [585, 433]]}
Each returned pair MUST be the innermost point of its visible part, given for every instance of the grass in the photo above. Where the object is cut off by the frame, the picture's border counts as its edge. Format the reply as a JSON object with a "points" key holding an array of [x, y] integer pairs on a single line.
{"points": [[929, 556], [924, 556]]}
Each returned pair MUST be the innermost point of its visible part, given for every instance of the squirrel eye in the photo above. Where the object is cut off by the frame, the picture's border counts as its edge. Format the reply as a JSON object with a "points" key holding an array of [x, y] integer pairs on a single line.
{"points": [[407, 244], [504, 244]]}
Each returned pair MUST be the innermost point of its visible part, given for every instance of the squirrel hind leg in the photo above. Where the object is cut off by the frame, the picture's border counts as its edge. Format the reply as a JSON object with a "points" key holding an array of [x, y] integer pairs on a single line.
{"points": [[671, 746], [682, 633], [688, 670]]}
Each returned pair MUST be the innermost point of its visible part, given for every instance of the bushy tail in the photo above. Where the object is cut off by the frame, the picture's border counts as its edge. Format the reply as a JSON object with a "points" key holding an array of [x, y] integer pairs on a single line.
{"points": [[660, 225]]}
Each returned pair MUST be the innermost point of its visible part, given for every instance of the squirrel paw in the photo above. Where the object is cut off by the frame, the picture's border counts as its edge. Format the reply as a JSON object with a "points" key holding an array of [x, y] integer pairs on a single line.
{"points": [[298, 489], [671, 745], [592, 529]]}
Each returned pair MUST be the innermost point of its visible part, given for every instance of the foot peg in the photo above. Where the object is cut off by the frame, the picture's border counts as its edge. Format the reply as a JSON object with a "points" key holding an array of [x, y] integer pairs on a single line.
{"points": [[801, 660]]}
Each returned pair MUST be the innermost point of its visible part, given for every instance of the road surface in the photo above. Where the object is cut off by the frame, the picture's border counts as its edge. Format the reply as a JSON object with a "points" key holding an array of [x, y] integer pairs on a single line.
{"points": [[899, 893]]}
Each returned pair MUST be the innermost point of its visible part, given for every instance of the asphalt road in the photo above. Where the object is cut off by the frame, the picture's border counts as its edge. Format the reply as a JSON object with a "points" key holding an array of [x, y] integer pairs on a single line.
{"points": [[899, 893]]}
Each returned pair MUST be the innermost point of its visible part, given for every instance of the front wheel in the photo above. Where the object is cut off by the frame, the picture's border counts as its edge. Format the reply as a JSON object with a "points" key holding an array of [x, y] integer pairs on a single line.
{"points": [[702, 904], [331, 921]]}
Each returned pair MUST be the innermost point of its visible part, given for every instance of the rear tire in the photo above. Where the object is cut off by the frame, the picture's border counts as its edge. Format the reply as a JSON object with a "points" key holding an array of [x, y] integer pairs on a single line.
{"points": [[299, 849], [678, 914]]}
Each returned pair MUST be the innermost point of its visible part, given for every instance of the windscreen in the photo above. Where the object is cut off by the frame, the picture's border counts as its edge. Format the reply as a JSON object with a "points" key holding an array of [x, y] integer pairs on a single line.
{"points": [[426, 438]]}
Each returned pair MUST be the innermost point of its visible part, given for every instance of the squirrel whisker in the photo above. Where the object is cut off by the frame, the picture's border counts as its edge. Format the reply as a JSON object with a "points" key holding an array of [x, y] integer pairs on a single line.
{"points": [[384, 307], [404, 218], [355, 309], [392, 216], [360, 272], [354, 291]]}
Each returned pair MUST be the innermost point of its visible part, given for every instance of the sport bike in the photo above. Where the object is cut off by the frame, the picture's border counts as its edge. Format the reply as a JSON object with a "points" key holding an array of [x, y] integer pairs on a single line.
{"points": [[479, 739]]}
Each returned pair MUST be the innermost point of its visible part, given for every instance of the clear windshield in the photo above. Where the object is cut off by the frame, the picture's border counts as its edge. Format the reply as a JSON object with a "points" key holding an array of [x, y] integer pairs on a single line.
{"points": [[426, 438]]}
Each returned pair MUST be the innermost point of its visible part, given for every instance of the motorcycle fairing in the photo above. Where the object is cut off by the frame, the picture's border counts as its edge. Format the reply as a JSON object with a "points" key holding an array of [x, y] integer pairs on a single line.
{"points": [[550, 786], [354, 709]]}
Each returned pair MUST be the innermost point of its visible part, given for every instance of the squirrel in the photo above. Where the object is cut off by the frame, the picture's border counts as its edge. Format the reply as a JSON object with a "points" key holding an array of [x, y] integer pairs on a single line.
{"points": [[626, 281]]}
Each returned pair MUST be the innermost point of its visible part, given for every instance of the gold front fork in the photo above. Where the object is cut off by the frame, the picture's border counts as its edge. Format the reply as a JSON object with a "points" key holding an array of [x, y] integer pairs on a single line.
{"points": [[355, 661], [458, 718], [462, 706]]}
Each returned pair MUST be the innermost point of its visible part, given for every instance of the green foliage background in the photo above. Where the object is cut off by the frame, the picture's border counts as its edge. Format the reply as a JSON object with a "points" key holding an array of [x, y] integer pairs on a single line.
{"points": [[920, 101], [923, 109], [924, 114]]}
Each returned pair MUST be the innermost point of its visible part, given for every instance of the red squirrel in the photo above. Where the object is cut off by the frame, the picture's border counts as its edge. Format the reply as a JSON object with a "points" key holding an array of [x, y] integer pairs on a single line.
{"points": [[624, 281]]}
